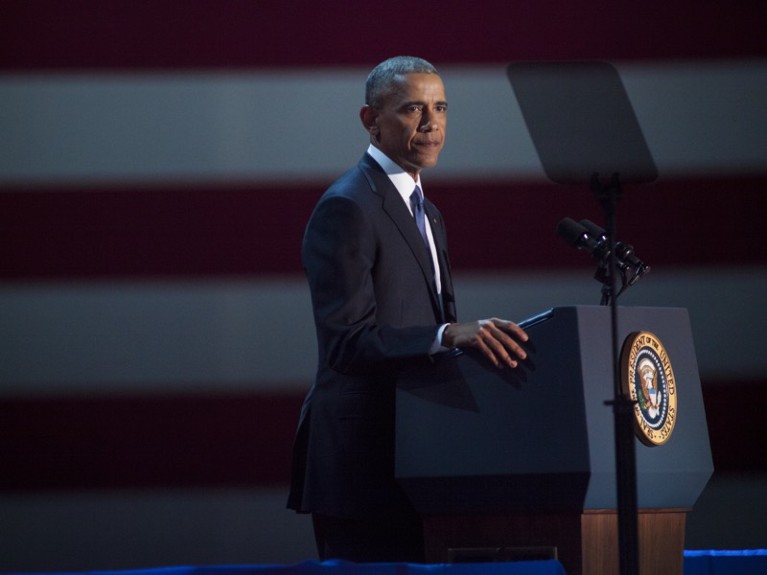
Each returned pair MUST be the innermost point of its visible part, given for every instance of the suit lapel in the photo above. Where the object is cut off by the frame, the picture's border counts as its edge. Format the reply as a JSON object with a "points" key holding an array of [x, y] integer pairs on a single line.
{"points": [[440, 243], [396, 209]]}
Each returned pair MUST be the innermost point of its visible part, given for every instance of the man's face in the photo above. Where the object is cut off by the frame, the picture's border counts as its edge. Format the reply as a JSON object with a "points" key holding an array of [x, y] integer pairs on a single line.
{"points": [[409, 127]]}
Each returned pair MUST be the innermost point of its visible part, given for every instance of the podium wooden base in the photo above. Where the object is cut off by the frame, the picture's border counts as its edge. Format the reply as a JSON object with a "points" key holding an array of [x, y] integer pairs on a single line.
{"points": [[585, 542]]}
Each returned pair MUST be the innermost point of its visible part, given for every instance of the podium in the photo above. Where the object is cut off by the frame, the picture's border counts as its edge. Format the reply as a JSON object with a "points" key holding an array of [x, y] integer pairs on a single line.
{"points": [[508, 464]]}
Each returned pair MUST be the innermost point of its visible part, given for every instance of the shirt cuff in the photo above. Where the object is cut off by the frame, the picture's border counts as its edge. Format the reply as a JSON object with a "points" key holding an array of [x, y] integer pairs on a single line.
{"points": [[437, 346]]}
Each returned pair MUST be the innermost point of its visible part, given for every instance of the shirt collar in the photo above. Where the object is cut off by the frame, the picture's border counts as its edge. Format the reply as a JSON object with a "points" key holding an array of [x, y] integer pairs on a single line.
{"points": [[399, 177]]}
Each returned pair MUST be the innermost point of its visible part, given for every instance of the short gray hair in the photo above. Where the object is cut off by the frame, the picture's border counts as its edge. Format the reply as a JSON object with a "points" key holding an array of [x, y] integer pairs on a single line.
{"points": [[381, 80]]}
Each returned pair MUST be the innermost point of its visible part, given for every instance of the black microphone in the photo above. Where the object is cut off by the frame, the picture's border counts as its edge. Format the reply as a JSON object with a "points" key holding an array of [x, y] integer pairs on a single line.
{"points": [[624, 253], [590, 237], [594, 230], [578, 235]]}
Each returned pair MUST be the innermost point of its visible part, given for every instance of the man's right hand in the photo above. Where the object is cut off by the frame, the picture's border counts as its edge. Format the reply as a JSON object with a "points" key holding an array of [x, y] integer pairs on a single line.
{"points": [[497, 339]]}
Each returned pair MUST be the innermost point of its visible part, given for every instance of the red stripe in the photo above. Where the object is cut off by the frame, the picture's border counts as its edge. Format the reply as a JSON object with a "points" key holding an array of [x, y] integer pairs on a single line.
{"points": [[143, 441], [735, 415], [241, 440], [54, 234], [50, 34]]}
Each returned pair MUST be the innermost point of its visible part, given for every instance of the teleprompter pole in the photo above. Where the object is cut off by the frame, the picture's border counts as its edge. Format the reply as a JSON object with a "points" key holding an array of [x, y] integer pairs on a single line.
{"points": [[625, 452]]}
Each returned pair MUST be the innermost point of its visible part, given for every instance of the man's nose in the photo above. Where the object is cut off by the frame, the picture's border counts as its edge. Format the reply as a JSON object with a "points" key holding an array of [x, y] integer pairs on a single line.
{"points": [[427, 121]]}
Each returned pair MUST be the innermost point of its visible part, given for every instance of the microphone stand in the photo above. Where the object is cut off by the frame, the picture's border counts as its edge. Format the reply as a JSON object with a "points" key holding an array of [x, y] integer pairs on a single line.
{"points": [[625, 453]]}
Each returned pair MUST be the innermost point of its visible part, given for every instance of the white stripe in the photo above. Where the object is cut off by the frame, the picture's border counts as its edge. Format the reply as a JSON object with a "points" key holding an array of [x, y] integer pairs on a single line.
{"points": [[156, 337], [698, 117]]}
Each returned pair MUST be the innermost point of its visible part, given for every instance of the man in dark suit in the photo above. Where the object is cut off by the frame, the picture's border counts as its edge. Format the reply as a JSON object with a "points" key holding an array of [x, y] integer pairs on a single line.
{"points": [[383, 301]]}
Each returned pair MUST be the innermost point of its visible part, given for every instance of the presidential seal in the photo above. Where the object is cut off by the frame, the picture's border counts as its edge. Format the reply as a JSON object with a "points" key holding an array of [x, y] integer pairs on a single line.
{"points": [[647, 377]]}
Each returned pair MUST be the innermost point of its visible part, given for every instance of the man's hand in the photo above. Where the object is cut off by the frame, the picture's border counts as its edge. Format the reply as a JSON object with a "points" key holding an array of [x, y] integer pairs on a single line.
{"points": [[495, 338]]}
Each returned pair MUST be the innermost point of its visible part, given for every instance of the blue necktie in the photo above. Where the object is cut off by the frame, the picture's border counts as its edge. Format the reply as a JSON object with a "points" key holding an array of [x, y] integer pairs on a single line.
{"points": [[416, 202]]}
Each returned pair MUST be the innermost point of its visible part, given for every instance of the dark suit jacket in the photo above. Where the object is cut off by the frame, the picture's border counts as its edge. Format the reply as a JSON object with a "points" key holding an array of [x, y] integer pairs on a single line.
{"points": [[376, 313]]}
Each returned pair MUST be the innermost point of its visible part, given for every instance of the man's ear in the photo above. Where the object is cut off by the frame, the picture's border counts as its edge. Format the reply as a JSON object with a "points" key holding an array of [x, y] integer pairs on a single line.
{"points": [[369, 117]]}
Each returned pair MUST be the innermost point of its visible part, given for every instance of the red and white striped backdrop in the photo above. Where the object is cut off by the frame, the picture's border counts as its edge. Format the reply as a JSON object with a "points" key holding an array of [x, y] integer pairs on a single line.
{"points": [[158, 163]]}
